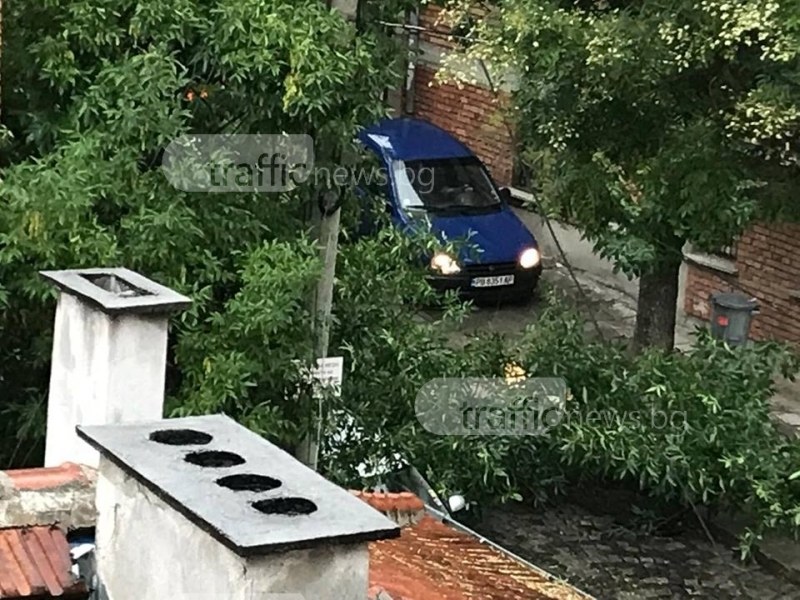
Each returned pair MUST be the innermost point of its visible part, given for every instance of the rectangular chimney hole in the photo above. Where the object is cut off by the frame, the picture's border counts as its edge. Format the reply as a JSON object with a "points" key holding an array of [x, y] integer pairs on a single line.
{"points": [[181, 437], [115, 285]]}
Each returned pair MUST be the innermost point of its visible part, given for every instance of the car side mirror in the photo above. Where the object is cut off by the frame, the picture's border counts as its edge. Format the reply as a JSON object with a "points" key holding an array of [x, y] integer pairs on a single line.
{"points": [[505, 195]]}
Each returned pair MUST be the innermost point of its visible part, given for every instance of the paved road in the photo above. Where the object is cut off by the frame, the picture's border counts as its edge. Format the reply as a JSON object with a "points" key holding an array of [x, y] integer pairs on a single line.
{"points": [[610, 308]]}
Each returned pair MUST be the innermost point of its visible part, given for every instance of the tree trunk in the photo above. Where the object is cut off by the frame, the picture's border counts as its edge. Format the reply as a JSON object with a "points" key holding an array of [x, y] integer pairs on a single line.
{"points": [[656, 307]]}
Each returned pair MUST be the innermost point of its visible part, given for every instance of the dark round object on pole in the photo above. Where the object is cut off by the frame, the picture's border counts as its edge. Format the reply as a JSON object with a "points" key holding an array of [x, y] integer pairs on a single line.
{"points": [[329, 201]]}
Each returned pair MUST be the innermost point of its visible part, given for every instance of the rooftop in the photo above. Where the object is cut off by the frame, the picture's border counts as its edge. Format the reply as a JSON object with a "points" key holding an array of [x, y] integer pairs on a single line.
{"points": [[431, 560], [435, 560], [36, 562]]}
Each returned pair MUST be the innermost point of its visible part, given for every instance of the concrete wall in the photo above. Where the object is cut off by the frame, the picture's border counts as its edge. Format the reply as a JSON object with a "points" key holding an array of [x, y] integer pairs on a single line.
{"points": [[145, 549], [104, 370]]}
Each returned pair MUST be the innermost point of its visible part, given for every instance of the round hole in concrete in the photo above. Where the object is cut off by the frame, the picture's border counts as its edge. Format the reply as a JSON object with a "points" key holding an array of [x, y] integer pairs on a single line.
{"points": [[290, 507], [181, 437], [249, 482], [214, 459]]}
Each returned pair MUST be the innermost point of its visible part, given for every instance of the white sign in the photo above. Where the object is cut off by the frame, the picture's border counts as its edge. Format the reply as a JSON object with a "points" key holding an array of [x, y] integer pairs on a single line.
{"points": [[329, 372]]}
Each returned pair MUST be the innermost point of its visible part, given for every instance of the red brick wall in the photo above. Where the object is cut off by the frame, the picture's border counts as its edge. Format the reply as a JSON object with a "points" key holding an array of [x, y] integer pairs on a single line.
{"points": [[701, 283], [768, 264], [436, 30], [474, 114]]}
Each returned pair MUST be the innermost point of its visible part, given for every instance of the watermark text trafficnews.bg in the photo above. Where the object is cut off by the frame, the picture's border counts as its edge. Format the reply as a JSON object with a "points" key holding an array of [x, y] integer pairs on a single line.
{"points": [[229, 163], [529, 407]]}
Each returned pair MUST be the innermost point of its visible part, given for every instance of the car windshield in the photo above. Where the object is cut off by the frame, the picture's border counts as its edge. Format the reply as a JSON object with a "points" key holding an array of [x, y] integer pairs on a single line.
{"points": [[449, 184]]}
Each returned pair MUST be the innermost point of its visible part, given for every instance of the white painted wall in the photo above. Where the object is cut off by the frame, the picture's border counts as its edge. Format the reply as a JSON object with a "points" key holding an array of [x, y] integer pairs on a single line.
{"points": [[145, 549], [104, 370]]}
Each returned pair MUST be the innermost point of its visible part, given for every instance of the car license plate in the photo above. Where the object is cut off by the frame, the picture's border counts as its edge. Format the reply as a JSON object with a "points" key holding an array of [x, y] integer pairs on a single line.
{"points": [[497, 281]]}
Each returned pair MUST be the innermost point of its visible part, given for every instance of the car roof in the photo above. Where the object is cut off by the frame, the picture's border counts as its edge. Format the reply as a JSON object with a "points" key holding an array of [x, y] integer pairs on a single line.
{"points": [[412, 139]]}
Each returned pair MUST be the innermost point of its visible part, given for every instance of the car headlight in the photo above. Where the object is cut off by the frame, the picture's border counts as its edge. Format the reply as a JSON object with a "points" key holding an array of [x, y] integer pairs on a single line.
{"points": [[529, 258], [444, 263]]}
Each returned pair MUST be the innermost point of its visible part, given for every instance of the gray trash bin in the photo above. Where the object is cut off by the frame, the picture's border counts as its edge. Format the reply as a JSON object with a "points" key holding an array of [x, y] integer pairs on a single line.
{"points": [[731, 315]]}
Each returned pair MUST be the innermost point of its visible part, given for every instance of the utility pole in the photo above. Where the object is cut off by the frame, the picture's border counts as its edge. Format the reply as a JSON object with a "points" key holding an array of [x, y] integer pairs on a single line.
{"points": [[328, 218], [329, 215]]}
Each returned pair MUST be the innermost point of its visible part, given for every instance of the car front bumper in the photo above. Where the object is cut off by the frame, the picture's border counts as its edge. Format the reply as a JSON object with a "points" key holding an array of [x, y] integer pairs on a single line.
{"points": [[525, 281]]}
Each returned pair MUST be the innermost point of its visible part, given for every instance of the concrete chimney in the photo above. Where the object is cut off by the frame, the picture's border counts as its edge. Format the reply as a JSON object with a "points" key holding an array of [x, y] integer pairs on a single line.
{"points": [[109, 355], [201, 507]]}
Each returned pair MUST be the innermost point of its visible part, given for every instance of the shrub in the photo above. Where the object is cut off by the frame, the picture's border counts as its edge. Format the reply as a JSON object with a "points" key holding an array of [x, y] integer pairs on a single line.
{"points": [[689, 427]]}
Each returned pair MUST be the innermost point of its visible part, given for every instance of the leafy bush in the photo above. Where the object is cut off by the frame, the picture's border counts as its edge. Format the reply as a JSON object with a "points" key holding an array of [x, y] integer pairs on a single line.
{"points": [[391, 350], [93, 91], [692, 428]]}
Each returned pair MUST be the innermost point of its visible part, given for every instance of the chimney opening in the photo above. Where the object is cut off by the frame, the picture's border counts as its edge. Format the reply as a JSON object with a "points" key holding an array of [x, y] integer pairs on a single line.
{"points": [[248, 482], [214, 459], [290, 507], [115, 285], [181, 437]]}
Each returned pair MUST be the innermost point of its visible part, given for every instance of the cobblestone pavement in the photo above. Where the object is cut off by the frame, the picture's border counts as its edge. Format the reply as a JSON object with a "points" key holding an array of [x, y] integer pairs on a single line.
{"points": [[605, 558]]}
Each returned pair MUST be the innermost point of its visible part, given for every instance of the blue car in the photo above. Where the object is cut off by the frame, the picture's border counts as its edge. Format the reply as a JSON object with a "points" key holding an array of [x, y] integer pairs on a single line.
{"points": [[435, 180]]}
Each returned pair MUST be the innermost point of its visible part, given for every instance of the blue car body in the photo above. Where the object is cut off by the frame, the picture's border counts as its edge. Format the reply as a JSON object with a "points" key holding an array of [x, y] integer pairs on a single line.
{"points": [[496, 236]]}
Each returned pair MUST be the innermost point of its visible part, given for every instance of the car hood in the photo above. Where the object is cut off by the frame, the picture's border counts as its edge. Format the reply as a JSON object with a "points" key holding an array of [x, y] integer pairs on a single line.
{"points": [[498, 237]]}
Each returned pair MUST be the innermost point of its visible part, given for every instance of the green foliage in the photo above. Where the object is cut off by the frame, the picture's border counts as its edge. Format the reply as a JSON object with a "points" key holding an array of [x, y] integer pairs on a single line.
{"points": [[653, 124], [391, 352], [689, 428], [246, 359], [692, 428], [105, 85], [93, 91]]}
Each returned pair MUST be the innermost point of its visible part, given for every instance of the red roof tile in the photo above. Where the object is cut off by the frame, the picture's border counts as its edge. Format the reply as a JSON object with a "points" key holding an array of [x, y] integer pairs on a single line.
{"points": [[46, 478], [403, 502], [432, 561], [35, 561]]}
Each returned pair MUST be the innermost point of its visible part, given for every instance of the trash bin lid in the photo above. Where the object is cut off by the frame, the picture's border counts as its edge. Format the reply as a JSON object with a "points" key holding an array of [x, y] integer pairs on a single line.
{"points": [[734, 300]]}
